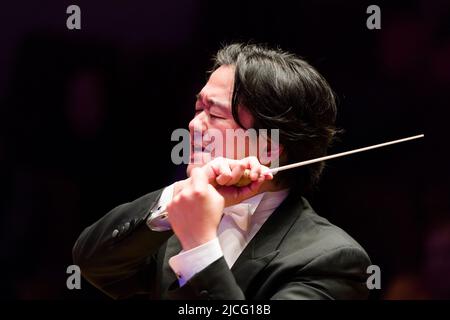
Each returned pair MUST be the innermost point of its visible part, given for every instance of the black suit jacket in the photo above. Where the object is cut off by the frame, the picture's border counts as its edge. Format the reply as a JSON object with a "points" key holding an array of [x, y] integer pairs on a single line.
{"points": [[295, 255]]}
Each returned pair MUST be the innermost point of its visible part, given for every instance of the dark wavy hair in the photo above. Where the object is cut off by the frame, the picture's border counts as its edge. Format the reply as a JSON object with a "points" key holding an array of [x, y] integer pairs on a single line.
{"points": [[282, 91]]}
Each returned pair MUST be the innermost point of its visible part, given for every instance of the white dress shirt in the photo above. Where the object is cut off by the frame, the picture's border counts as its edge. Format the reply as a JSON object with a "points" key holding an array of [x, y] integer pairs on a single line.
{"points": [[232, 237]]}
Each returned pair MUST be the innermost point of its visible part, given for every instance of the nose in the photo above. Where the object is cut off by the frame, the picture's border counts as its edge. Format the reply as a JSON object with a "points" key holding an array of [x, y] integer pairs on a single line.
{"points": [[198, 123]]}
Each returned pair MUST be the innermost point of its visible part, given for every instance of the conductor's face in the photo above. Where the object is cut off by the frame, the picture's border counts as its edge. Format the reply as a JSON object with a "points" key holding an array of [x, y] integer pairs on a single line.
{"points": [[213, 111]]}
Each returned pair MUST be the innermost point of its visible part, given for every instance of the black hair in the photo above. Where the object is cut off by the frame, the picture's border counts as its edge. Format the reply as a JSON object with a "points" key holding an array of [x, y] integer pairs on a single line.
{"points": [[282, 91]]}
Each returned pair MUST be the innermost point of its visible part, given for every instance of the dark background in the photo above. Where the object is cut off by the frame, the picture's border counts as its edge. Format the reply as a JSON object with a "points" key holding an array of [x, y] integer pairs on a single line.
{"points": [[86, 118]]}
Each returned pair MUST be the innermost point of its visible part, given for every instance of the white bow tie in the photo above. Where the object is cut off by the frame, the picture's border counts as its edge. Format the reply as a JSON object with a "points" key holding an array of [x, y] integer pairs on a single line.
{"points": [[240, 213]]}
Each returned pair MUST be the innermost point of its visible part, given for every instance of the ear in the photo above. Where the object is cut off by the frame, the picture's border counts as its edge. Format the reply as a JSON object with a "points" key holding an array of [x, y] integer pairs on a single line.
{"points": [[274, 150], [273, 154]]}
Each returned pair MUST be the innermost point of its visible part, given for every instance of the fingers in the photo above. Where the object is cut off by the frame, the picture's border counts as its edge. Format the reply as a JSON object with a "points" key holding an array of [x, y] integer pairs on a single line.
{"points": [[222, 170], [258, 172], [228, 172], [265, 173], [233, 195], [199, 181], [237, 172], [254, 166], [195, 213]]}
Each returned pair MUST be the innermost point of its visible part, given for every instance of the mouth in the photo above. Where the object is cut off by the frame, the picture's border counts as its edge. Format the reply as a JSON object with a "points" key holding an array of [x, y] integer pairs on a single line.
{"points": [[198, 152], [197, 148]]}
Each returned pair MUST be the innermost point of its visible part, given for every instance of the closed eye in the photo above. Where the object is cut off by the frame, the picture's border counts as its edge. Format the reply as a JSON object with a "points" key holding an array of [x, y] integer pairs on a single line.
{"points": [[215, 116]]}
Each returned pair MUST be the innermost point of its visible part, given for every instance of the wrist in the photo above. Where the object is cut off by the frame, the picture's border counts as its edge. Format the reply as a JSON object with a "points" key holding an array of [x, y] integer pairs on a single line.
{"points": [[190, 242]]}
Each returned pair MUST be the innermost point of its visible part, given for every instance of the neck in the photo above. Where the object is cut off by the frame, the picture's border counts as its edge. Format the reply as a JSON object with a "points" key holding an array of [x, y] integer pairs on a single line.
{"points": [[270, 186]]}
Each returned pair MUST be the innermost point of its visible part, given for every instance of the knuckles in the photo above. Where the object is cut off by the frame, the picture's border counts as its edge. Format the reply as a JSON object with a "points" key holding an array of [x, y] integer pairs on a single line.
{"points": [[253, 160], [189, 195], [242, 166], [226, 175], [197, 193]]}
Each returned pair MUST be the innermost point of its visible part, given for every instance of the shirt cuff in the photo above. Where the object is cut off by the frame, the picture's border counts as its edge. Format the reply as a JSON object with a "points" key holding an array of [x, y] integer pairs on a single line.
{"points": [[158, 219], [187, 263]]}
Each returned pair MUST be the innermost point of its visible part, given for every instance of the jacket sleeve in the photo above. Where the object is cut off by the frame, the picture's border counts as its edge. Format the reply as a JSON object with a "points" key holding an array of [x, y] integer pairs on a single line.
{"points": [[117, 254], [215, 282]]}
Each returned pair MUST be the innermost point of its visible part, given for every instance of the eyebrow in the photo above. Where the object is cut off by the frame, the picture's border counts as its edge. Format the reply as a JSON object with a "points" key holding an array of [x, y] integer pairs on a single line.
{"points": [[213, 101]]}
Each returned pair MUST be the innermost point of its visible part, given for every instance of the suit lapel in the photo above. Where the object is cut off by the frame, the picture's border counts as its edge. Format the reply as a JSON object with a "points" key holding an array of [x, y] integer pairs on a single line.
{"points": [[263, 248]]}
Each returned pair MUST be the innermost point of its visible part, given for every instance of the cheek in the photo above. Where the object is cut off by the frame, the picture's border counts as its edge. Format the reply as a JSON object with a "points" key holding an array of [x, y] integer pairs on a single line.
{"points": [[231, 149], [246, 118]]}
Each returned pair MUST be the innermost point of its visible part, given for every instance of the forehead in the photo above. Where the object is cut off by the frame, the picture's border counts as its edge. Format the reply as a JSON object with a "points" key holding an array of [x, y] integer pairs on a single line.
{"points": [[220, 83]]}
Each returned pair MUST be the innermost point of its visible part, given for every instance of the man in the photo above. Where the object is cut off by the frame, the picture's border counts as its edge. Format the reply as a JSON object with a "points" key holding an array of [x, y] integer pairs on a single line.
{"points": [[221, 241]]}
